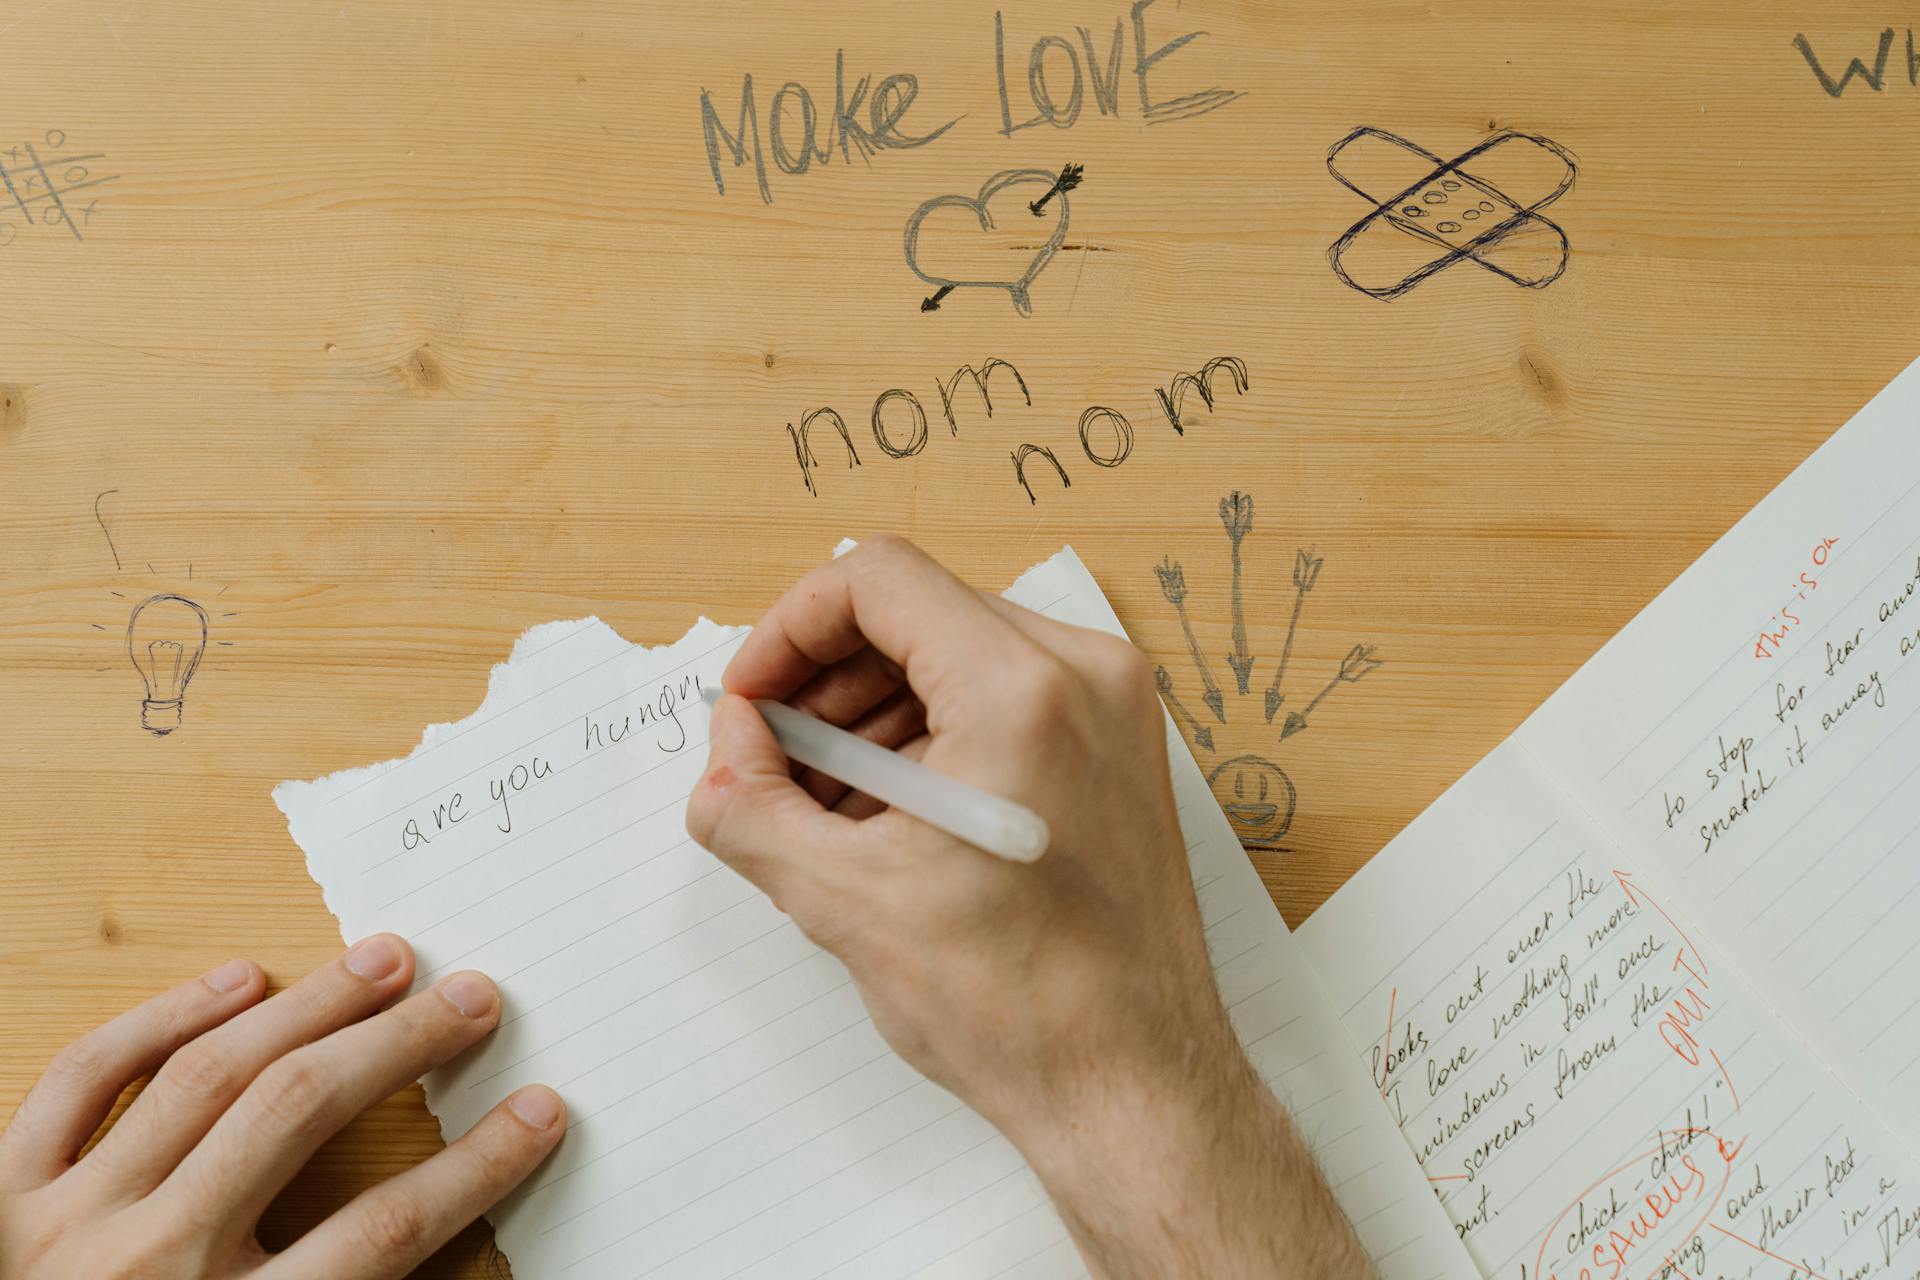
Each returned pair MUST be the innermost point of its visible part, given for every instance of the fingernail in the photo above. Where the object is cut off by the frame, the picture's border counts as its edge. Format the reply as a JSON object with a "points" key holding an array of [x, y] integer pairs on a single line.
{"points": [[470, 993], [537, 1105], [375, 958], [230, 976]]}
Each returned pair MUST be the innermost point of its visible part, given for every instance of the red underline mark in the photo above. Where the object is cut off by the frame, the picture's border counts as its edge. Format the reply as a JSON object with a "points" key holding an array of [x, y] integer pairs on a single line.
{"points": [[1448, 1177], [1798, 1266], [1728, 1079]]}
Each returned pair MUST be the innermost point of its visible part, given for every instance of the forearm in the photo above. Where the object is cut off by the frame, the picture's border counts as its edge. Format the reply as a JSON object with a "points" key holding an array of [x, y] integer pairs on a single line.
{"points": [[1196, 1178]]}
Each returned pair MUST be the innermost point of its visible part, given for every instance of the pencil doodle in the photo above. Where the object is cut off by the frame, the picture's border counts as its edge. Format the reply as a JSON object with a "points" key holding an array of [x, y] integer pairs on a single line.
{"points": [[1069, 179], [101, 521], [1306, 572], [1453, 210], [899, 419], [1173, 400], [1256, 794], [1026, 451], [1173, 585], [1257, 797], [1201, 733], [168, 633], [27, 179], [166, 638], [965, 264], [1874, 79], [1358, 662], [1236, 513]]}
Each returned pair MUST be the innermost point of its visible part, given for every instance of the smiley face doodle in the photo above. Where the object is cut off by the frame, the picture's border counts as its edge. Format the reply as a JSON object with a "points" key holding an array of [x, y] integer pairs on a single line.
{"points": [[1258, 798], [1255, 793], [965, 258], [1446, 212]]}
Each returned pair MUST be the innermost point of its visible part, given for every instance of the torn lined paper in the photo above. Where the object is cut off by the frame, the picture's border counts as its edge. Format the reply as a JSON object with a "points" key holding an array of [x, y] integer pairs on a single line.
{"points": [[734, 1112]]}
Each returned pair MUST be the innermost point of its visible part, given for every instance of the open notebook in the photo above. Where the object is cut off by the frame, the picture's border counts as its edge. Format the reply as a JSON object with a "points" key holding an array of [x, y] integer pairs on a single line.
{"points": [[1643, 988], [734, 1112]]}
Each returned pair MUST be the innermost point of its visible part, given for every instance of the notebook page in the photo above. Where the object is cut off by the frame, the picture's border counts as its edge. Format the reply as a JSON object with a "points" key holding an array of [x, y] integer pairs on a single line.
{"points": [[734, 1112], [1593, 1092], [1753, 737]]}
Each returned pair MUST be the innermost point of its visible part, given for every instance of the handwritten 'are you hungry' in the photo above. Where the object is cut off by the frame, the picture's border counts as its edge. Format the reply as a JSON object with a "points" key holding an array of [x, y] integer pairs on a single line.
{"points": [[658, 718], [796, 132]]}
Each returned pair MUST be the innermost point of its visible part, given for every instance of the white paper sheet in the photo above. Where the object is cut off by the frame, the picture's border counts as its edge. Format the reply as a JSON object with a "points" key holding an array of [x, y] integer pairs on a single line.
{"points": [[734, 1112], [1671, 918]]}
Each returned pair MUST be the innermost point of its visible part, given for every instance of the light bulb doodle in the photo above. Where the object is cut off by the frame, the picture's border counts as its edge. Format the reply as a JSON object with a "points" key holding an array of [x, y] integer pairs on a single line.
{"points": [[166, 637], [1256, 794]]}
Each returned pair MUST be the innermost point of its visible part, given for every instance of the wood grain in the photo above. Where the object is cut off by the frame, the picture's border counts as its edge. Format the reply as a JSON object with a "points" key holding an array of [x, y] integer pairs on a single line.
{"points": [[403, 328]]}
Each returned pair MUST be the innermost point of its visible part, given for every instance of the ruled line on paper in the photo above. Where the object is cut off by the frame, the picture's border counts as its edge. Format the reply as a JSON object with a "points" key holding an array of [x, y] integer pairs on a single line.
{"points": [[1445, 919], [683, 1014], [1701, 685], [470, 726], [1842, 896], [1832, 620], [1779, 841], [858, 1160], [912, 1085], [548, 1046], [538, 738], [522, 834]]}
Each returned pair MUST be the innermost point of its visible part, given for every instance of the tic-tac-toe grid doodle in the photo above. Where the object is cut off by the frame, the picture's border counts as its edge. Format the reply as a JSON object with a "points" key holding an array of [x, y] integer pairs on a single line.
{"points": [[43, 184]]}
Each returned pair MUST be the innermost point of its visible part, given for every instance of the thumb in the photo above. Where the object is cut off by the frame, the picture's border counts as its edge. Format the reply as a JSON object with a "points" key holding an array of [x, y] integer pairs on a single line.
{"points": [[749, 812]]}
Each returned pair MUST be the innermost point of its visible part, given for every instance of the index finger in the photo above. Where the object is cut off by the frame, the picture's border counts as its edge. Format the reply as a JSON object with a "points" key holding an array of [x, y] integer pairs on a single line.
{"points": [[885, 592]]}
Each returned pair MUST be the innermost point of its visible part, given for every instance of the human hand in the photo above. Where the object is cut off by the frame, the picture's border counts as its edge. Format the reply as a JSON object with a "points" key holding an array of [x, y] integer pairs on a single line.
{"points": [[1071, 1001], [246, 1089], [1099, 943]]}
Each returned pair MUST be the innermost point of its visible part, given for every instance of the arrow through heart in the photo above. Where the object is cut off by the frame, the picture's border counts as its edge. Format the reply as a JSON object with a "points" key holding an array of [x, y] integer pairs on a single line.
{"points": [[1054, 190]]}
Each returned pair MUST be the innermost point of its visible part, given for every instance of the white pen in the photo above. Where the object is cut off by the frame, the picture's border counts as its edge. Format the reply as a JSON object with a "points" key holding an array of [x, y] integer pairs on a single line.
{"points": [[985, 821]]}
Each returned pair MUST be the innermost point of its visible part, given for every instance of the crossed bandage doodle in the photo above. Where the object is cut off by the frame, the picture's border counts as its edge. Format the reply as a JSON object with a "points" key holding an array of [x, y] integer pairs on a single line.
{"points": [[1463, 216]]}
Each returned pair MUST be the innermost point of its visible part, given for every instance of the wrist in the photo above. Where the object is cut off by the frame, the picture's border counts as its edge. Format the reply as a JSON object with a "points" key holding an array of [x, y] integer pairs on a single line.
{"points": [[1201, 1174], [1116, 1131]]}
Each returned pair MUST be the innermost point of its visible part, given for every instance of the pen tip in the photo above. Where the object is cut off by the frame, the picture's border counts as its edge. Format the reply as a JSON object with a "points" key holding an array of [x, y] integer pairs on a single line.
{"points": [[710, 696]]}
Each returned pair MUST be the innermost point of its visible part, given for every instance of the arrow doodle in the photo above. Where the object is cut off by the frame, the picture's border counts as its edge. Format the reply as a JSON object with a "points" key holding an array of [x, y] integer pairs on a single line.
{"points": [[1173, 585], [1306, 572], [1255, 793], [933, 303], [1236, 513], [1069, 179], [1353, 668], [1201, 734]]}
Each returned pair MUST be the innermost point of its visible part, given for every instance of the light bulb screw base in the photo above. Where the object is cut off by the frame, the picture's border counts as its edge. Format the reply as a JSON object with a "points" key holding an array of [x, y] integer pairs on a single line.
{"points": [[160, 715]]}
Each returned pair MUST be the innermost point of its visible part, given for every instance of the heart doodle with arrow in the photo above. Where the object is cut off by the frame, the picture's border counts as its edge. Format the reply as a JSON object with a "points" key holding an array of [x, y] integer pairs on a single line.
{"points": [[962, 259]]}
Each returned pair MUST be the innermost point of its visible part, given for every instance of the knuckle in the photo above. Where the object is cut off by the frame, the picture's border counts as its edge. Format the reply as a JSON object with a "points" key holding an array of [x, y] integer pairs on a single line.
{"points": [[704, 808], [202, 1073], [881, 546], [315, 1001], [293, 1097], [395, 1222], [1040, 688], [497, 1163], [1121, 663], [83, 1066], [884, 554]]}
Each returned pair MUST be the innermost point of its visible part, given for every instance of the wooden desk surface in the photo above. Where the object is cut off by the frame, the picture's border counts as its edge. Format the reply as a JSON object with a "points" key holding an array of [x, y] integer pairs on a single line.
{"points": [[386, 331]]}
